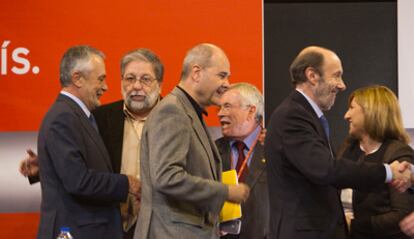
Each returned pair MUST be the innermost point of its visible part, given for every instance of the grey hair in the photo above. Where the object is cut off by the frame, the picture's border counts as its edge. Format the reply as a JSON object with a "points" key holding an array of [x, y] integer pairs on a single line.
{"points": [[309, 57], [146, 55], [77, 58], [200, 55], [250, 96]]}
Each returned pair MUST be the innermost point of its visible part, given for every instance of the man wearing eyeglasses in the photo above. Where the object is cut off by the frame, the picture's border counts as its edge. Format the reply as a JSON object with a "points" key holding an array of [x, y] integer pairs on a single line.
{"points": [[120, 123], [241, 115]]}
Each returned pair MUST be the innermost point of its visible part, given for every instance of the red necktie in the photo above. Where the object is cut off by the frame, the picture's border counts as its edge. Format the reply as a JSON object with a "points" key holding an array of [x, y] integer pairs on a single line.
{"points": [[240, 150]]}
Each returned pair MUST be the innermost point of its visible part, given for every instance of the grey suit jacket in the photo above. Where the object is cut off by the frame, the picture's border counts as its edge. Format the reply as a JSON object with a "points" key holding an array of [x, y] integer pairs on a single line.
{"points": [[255, 211], [79, 189], [180, 174]]}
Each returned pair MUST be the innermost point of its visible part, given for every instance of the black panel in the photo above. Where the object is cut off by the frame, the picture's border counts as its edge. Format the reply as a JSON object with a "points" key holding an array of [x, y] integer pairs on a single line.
{"points": [[364, 35]]}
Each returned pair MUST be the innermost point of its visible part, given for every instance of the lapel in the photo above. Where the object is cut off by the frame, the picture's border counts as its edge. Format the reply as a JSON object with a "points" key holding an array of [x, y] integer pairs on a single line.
{"points": [[201, 133], [257, 165], [88, 128], [115, 119], [224, 149], [299, 98]]}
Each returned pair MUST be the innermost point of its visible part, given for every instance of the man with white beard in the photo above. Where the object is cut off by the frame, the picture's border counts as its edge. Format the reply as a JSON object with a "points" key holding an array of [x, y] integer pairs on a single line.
{"points": [[120, 124]]}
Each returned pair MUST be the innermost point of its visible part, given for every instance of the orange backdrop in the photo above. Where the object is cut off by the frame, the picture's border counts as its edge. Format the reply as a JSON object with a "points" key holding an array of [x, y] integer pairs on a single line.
{"points": [[35, 33]]}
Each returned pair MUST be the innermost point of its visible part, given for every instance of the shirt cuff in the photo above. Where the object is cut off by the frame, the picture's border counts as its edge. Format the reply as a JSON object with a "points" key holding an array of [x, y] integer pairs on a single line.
{"points": [[388, 172]]}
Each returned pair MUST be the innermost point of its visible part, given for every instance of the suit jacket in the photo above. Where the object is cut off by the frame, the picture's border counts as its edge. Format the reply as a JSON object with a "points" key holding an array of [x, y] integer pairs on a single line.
{"points": [[304, 177], [180, 174], [110, 119], [79, 189], [377, 212], [255, 211]]}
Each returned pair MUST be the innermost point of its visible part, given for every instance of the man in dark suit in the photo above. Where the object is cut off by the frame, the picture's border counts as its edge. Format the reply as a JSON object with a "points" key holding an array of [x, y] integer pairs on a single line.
{"points": [[180, 166], [241, 115], [79, 188], [120, 123], [303, 174]]}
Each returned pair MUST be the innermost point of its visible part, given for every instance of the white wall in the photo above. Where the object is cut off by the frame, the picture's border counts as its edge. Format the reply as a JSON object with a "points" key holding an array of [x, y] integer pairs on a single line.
{"points": [[16, 194], [406, 60]]}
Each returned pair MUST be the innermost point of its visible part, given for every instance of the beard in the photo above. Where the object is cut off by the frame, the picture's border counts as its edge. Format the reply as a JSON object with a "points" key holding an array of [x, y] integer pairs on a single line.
{"points": [[141, 106], [324, 95]]}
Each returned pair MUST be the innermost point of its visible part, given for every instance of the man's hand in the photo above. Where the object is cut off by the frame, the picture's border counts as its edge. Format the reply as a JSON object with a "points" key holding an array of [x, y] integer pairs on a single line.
{"points": [[407, 225], [238, 193], [401, 175], [29, 167], [134, 186]]}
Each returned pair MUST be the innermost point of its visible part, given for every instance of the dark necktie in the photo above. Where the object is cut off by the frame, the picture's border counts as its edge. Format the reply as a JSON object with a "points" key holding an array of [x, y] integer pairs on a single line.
{"points": [[325, 125], [93, 122], [240, 146]]}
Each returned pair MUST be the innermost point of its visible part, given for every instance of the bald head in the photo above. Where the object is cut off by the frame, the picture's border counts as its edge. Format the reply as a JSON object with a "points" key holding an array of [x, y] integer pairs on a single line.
{"points": [[200, 55], [312, 56]]}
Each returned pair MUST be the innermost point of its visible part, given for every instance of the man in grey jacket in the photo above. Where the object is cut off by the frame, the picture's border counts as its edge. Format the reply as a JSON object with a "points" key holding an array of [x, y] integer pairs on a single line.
{"points": [[180, 165]]}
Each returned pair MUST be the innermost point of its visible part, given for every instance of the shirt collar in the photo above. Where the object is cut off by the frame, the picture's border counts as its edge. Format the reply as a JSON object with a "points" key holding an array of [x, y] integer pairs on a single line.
{"points": [[249, 140], [130, 115], [315, 107], [200, 111], [78, 101]]}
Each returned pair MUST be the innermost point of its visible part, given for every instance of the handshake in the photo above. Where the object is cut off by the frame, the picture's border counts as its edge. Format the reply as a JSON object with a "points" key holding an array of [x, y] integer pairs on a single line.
{"points": [[134, 186], [402, 177]]}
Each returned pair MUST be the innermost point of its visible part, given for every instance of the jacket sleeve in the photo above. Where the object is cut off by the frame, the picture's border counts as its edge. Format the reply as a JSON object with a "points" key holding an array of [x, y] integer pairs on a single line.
{"points": [[168, 159], [309, 153], [401, 204], [67, 150]]}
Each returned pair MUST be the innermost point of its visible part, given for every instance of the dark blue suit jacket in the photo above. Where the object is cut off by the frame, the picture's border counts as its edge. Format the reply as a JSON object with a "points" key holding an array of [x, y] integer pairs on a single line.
{"points": [[255, 211], [79, 189], [304, 177]]}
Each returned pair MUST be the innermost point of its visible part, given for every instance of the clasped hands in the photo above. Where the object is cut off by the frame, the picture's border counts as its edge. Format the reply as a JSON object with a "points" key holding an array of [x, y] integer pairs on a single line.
{"points": [[134, 186], [401, 175]]}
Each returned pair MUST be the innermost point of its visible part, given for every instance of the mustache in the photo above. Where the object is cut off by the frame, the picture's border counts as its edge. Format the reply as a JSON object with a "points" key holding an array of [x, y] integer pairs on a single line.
{"points": [[137, 93]]}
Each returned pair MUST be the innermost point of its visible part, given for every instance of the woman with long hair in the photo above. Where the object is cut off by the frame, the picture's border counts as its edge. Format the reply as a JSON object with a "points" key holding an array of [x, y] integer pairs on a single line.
{"points": [[376, 134]]}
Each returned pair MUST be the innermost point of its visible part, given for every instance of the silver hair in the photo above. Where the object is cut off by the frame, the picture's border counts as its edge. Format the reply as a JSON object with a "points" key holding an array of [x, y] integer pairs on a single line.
{"points": [[77, 58], [145, 55], [250, 96]]}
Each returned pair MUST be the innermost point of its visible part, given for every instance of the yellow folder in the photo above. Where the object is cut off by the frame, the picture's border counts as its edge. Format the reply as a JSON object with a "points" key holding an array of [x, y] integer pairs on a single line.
{"points": [[230, 211]]}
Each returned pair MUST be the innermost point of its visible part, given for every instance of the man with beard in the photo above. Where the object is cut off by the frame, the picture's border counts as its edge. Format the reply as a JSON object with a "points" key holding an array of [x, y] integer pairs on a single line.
{"points": [[180, 165], [120, 123], [303, 174], [241, 116]]}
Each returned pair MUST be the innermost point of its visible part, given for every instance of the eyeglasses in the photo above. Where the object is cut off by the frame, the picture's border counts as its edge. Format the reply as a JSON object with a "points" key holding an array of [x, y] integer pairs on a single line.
{"points": [[143, 80], [227, 107]]}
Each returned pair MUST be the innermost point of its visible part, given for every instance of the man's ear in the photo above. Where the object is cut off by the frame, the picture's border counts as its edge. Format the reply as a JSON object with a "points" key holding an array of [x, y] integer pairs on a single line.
{"points": [[252, 111], [77, 79], [312, 75], [159, 88], [196, 72]]}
